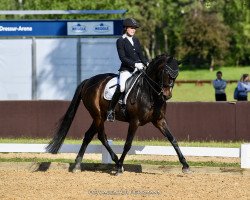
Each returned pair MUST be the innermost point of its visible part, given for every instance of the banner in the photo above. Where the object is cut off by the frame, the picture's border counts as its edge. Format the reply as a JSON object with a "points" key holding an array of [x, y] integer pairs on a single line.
{"points": [[50, 28], [90, 28]]}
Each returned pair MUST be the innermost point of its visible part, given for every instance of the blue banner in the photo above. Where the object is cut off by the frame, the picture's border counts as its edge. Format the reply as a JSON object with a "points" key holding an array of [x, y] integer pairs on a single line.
{"points": [[52, 28]]}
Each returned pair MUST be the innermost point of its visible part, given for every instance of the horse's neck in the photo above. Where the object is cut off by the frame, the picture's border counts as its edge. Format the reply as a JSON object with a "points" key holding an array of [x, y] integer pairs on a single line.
{"points": [[150, 101], [147, 91]]}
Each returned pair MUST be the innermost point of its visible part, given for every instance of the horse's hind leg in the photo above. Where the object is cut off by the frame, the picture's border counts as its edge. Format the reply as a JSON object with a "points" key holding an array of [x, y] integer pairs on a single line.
{"points": [[87, 139], [103, 138]]}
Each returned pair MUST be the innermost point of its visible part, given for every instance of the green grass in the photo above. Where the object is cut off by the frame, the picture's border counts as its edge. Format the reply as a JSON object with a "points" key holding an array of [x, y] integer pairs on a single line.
{"points": [[229, 73], [177, 163], [192, 93], [35, 140], [205, 93], [41, 160], [229, 144], [133, 162]]}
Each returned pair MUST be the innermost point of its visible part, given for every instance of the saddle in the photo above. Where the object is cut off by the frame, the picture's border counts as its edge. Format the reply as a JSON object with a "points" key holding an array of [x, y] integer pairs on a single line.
{"points": [[112, 84]]}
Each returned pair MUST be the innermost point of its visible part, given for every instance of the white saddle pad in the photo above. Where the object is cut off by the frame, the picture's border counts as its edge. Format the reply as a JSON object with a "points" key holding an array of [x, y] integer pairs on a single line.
{"points": [[111, 87]]}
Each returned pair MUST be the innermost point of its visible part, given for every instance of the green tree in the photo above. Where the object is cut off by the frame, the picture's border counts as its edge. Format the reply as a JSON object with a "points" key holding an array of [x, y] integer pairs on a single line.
{"points": [[175, 12], [8, 5], [150, 16], [60, 5], [235, 14], [205, 39], [183, 28]]}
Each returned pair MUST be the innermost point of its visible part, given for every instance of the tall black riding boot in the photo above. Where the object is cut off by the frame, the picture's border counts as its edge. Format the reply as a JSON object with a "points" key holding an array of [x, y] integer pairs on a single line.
{"points": [[112, 104]]}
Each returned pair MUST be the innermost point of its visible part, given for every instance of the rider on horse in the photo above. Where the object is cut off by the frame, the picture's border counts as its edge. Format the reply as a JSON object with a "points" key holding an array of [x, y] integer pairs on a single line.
{"points": [[130, 54]]}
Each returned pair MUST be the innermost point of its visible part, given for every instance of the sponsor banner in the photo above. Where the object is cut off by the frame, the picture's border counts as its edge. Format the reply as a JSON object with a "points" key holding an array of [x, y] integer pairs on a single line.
{"points": [[51, 28], [90, 28]]}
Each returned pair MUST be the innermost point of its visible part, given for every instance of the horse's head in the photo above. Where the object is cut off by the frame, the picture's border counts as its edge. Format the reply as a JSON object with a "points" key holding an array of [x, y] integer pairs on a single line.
{"points": [[163, 70]]}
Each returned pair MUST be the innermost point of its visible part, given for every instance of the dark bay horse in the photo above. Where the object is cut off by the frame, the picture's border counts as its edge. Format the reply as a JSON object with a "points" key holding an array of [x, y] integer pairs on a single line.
{"points": [[146, 103]]}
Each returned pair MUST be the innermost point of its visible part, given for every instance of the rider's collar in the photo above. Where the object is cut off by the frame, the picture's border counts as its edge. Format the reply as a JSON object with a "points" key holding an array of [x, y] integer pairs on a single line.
{"points": [[126, 36]]}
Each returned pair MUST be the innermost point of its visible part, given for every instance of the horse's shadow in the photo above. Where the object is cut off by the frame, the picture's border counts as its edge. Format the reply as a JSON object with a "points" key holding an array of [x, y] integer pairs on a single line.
{"points": [[40, 167], [93, 167]]}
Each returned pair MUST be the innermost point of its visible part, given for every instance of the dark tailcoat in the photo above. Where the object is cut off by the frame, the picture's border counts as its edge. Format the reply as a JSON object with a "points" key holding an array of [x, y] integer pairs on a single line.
{"points": [[129, 54]]}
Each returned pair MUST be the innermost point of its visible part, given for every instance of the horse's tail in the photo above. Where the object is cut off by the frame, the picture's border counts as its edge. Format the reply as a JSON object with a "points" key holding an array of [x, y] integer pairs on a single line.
{"points": [[65, 122]]}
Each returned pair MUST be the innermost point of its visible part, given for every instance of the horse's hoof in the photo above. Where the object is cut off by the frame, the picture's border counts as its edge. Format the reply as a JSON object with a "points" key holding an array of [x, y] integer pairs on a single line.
{"points": [[76, 169], [186, 170], [119, 171]]}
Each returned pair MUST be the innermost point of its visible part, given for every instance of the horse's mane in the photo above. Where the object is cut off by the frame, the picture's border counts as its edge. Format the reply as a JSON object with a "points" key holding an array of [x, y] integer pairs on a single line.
{"points": [[157, 58], [154, 62]]}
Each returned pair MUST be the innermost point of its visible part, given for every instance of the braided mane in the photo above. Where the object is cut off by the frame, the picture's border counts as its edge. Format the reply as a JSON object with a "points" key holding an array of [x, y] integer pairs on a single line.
{"points": [[171, 65]]}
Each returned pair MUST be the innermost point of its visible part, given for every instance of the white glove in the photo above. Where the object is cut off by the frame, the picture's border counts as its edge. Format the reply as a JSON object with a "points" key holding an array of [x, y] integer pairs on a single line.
{"points": [[139, 65]]}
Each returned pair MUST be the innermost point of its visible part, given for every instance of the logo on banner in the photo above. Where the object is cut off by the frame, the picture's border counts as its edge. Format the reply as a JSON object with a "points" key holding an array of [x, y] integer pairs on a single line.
{"points": [[78, 28], [101, 28], [90, 28]]}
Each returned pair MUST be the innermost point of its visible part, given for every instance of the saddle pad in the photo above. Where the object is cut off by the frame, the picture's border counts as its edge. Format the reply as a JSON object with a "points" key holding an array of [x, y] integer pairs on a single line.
{"points": [[111, 87]]}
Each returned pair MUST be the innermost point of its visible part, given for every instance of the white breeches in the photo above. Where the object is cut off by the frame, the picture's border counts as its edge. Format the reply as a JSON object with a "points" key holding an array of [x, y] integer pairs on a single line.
{"points": [[124, 75]]}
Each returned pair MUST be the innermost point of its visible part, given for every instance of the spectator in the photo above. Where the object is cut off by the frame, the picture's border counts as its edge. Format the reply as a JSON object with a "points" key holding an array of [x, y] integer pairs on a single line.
{"points": [[243, 87], [220, 86]]}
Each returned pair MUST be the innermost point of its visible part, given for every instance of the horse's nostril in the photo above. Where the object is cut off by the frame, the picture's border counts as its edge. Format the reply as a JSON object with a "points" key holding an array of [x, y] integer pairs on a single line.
{"points": [[166, 97]]}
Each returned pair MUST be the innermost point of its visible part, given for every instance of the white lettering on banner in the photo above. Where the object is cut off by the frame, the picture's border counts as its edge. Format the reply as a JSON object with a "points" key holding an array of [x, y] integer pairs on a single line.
{"points": [[15, 28], [90, 28]]}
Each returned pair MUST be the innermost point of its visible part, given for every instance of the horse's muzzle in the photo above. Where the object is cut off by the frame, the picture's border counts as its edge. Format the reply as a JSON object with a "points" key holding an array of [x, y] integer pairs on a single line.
{"points": [[165, 98], [166, 94]]}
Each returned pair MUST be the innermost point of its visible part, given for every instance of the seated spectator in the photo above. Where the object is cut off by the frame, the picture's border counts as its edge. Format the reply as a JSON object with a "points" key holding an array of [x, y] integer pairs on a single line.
{"points": [[220, 86], [243, 87]]}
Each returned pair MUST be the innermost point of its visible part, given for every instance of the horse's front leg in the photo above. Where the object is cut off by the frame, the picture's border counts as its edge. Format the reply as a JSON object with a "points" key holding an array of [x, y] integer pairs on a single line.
{"points": [[130, 136], [163, 127]]}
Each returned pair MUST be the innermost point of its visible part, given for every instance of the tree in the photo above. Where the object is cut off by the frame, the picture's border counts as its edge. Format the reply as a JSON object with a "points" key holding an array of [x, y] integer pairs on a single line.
{"points": [[168, 25], [60, 5], [205, 39], [150, 16], [236, 15]]}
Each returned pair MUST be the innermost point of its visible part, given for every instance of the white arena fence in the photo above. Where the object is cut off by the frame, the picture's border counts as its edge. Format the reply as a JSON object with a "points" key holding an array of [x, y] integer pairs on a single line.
{"points": [[243, 152]]}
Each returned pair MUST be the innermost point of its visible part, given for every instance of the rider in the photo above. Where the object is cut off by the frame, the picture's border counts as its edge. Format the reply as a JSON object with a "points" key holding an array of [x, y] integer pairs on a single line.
{"points": [[130, 54]]}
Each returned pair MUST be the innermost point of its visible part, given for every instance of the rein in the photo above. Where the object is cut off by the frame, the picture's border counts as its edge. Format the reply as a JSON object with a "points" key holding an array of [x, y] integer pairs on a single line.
{"points": [[148, 79], [152, 87]]}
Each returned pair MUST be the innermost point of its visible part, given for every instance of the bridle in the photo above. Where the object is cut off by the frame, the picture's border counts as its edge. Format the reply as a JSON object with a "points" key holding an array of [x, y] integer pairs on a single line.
{"points": [[158, 88]]}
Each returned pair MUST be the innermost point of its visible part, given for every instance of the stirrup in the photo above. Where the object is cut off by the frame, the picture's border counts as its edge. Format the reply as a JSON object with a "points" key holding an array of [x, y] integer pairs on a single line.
{"points": [[110, 116]]}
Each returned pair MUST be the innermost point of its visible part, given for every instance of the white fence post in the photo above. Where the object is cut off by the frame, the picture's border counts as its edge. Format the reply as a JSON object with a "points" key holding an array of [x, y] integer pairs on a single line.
{"points": [[245, 156], [106, 158]]}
